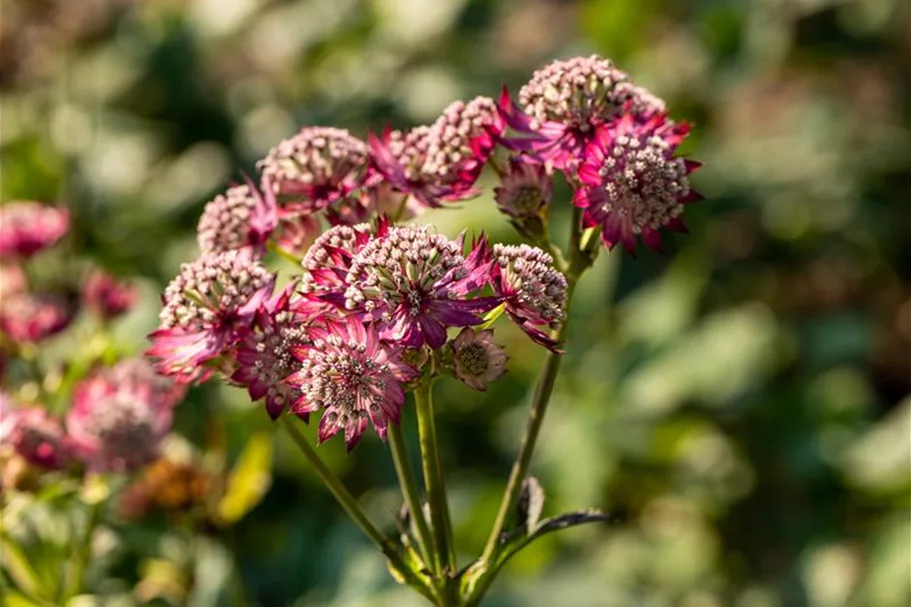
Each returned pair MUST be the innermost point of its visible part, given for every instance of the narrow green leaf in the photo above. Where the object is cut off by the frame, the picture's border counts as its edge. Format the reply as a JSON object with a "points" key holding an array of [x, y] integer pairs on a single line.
{"points": [[17, 565]]}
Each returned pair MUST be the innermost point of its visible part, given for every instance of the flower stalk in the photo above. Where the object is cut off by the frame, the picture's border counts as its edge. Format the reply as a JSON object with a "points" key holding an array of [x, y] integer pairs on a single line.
{"points": [[433, 478], [543, 391], [353, 510], [412, 496]]}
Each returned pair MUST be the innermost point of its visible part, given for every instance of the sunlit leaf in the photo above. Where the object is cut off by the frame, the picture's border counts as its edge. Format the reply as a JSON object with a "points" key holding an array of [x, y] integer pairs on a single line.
{"points": [[248, 481]]}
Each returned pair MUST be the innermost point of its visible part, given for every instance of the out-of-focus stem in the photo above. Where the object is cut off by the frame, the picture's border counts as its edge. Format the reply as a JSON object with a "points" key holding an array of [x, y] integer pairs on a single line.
{"points": [[74, 584], [433, 478], [412, 496]]}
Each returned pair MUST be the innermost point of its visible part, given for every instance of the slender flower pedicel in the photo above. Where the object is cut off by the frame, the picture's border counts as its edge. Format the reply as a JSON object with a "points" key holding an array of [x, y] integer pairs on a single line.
{"points": [[348, 372]]}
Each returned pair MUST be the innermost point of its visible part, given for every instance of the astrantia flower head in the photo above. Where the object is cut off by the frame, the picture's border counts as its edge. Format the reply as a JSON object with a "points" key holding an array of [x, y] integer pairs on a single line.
{"points": [[632, 183], [264, 353], [460, 142], [28, 227], [38, 438], [415, 283], [534, 291], [328, 261], [115, 427], [348, 372], [31, 317], [163, 391], [314, 168], [565, 101], [203, 306], [525, 188], [477, 361], [107, 296], [241, 218]]}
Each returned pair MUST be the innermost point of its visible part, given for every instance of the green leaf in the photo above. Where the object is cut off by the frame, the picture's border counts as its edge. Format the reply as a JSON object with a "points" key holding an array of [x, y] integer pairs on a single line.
{"points": [[248, 481], [17, 565], [519, 539]]}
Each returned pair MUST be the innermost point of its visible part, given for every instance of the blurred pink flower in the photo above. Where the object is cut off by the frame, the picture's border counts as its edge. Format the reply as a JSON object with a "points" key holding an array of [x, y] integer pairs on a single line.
{"points": [[28, 227], [107, 296], [163, 391], [31, 318], [113, 427], [38, 437]]}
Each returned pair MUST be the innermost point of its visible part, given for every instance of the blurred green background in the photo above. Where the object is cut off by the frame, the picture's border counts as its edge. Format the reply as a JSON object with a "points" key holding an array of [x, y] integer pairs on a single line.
{"points": [[740, 406]]}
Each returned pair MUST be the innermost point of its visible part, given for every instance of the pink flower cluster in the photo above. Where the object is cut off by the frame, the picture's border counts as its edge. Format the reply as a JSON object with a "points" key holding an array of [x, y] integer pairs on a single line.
{"points": [[373, 306], [117, 419], [27, 315]]}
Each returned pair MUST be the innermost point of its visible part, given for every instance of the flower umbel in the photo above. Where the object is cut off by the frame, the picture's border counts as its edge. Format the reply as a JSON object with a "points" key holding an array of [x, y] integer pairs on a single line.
{"points": [[566, 100], [415, 283], [107, 296], [477, 361], [203, 306], [534, 291], [30, 317], [39, 438], [314, 168], [632, 183], [264, 353], [241, 218], [115, 427], [28, 227], [356, 378]]}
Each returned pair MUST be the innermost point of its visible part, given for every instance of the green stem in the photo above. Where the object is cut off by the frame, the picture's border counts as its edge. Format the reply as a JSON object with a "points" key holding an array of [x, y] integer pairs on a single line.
{"points": [[433, 478], [76, 582], [412, 495], [351, 507], [543, 392]]}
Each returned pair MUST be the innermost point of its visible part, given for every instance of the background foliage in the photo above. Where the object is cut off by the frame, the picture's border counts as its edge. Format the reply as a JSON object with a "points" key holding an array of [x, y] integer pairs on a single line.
{"points": [[741, 406]]}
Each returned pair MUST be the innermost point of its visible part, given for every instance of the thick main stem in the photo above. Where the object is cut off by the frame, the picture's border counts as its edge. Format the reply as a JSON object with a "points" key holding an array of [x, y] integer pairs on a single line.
{"points": [[433, 478], [412, 496], [543, 391], [351, 507]]}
